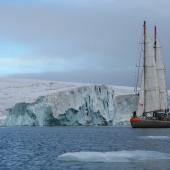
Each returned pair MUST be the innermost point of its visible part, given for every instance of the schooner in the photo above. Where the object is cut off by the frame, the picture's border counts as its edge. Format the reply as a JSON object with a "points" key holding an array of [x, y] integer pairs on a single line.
{"points": [[152, 110]]}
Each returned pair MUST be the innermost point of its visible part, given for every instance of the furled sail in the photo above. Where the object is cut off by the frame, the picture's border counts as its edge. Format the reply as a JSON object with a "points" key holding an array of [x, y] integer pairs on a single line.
{"points": [[161, 77], [140, 108], [151, 88], [149, 98]]}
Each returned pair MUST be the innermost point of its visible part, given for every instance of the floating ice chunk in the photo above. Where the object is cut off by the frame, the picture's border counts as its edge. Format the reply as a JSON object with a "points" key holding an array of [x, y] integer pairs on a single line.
{"points": [[116, 156], [155, 137]]}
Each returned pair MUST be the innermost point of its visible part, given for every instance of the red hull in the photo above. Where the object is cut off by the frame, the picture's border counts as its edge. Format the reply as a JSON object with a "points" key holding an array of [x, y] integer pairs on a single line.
{"points": [[145, 123]]}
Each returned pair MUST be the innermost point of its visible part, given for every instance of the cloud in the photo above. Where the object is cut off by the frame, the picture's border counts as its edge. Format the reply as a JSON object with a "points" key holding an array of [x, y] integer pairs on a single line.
{"points": [[100, 37]]}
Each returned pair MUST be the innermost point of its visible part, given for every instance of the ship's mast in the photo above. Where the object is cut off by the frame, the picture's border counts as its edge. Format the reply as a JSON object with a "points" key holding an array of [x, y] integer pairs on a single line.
{"points": [[155, 52], [155, 41], [144, 64]]}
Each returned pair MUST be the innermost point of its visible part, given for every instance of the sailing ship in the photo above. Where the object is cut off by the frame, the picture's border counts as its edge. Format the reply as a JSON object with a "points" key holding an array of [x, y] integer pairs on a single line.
{"points": [[152, 110]]}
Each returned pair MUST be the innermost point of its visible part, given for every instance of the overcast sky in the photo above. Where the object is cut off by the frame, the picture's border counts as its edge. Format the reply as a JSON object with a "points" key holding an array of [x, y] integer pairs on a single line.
{"points": [[95, 41]]}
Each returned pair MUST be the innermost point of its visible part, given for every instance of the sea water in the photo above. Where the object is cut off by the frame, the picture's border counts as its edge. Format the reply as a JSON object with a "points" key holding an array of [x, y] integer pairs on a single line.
{"points": [[84, 148]]}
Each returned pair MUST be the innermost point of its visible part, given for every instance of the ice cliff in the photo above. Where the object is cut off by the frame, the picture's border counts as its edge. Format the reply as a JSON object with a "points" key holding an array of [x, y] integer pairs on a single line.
{"points": [[47, 103]]}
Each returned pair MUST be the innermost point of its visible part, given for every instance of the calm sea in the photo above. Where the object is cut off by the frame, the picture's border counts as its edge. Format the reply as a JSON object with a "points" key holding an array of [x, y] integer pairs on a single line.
{"points": [[84, 148]]}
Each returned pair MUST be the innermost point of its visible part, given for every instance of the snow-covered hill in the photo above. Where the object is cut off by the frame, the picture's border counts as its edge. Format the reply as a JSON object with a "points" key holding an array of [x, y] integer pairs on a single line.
{"points": [[35, 102]]}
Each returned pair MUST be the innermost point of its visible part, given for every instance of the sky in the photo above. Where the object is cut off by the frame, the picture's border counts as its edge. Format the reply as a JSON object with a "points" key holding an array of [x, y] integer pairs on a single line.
{"points": [[92, 41]]}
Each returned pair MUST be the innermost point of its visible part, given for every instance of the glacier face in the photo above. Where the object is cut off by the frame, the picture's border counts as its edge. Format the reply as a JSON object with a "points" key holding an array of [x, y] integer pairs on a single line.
{"points": [[88, 105], [78, 105]]}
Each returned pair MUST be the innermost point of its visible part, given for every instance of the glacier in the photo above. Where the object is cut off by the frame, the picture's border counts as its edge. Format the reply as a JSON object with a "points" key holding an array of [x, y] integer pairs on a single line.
{"points": [[52, 103]]}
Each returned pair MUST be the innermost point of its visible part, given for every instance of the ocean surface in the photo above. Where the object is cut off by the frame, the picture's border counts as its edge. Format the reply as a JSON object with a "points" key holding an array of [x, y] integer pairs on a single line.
{"points": [[84, 148]]}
